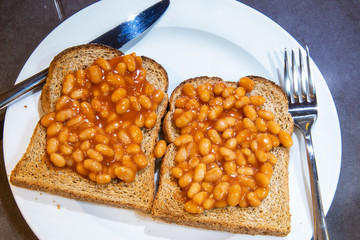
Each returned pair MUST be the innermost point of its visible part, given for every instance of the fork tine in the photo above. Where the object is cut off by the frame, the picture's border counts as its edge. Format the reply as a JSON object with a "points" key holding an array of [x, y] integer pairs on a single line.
{"points": [[311, 94], [287, 82], [295, 76], [302, 83]]}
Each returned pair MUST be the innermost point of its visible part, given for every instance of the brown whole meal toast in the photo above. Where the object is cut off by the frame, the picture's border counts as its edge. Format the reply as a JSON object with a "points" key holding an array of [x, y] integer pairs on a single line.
{"points": [[272, 217], [34, 172]]}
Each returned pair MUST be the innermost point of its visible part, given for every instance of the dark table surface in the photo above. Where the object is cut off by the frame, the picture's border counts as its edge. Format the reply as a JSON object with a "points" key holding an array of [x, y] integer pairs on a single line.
{"points": [[330, 27]]}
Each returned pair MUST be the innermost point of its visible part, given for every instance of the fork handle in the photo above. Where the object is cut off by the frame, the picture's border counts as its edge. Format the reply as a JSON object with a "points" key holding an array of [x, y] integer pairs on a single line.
{"points": [[320, 228]]}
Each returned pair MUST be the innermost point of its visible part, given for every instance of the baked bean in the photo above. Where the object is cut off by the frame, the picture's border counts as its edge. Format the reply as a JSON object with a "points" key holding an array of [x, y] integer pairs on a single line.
{"points": [[264, 142], [257, 100], [213, 175], [103, 63], [272, 158], [227, 154], [185, 180], [253, 199], [219, 88], [48, 119], [214, 112], [150, 120], [275, 141], [125, 174], [285, 139], [65, 150], [145, 101], [261, 156], [220, 190], [84, 146], [245, 171], [194, 188], [101, 139], [189, 90], [246, 83], [228, 133], [160, 149], [52, 145], [250, 112], [104, 149], [157, 96], [192, 207], [230, 168], [240, 159], [130, 63], [204, 93], [261, 192], [133, 148], [229, 102], [78, 156], [209, 158], [249, 125], [261, 124], [227, 92], [94, 74], [231, 143], [64, 115], [68, 83], [123, 106], [267, 115], [121, 68], [217, 101], [127, 162], [177, 172], [266, 168], [103, 178], [207, 187], [200, 197], [262, 179], [234, 195], [242, 102], [204, 146], [57, 160], [214, 136], [184, 119], [135, 134], [183, 139], [199, 172], [273, 127], [62, 102], [118, 94], [247, 181], [81, 169], [140, 160], [95, 155], [54, 129], [181, 154], [74, 121], [87, 133], [209, 203], [239, 92], [124, 137], [224, 123]]}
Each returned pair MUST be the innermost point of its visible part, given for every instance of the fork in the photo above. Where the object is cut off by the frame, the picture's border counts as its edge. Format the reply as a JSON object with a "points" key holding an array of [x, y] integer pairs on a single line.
{"points": [[300, 90]]}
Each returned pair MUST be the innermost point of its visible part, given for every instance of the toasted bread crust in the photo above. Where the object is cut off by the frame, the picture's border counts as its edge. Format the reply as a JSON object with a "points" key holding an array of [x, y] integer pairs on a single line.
{"points": [[33, 172], [272, 217]]}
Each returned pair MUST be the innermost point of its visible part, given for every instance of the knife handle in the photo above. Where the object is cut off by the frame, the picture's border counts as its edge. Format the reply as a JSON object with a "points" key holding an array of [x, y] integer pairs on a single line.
{"points": [[21, 88]]}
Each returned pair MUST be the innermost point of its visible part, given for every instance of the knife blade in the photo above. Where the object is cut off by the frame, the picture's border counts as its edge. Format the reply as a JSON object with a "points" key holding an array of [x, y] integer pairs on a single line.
{"points": [[115, 38]]}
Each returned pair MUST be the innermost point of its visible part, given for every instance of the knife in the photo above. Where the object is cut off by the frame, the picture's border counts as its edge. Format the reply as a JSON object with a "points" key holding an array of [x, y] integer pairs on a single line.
{"points": [[115, 38]]}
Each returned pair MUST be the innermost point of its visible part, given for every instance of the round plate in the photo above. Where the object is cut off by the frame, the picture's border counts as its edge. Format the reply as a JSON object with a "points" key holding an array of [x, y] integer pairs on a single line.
{"points": [[221, 38]]}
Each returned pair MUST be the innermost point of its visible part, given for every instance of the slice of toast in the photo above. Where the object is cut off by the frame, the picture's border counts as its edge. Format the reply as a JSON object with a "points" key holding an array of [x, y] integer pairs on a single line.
{"points": [[34, 172], [272, 217]]}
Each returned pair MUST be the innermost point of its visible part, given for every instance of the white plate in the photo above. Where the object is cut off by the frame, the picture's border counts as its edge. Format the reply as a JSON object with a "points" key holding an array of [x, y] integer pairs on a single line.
{"points": [[216, 38]]}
